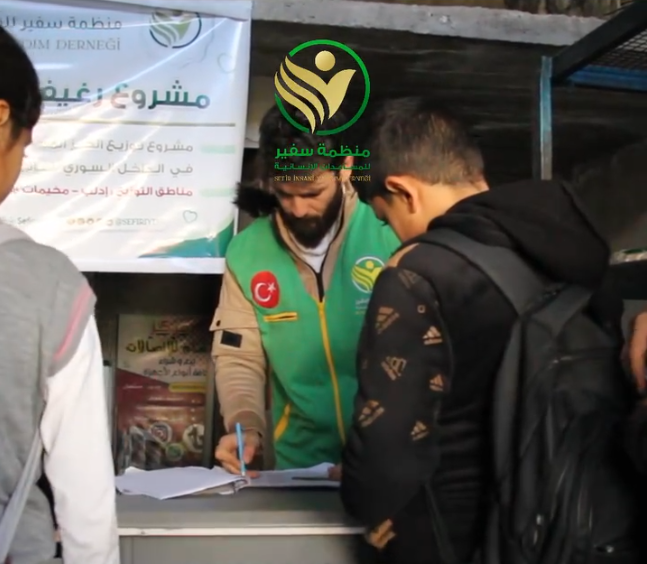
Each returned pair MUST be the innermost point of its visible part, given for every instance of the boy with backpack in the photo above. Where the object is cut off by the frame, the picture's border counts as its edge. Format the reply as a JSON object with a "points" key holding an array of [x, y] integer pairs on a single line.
{"points": [[491, 394]]}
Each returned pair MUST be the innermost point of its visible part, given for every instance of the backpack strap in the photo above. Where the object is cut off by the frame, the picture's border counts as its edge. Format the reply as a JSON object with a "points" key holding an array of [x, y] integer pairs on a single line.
{"points": [[16, 506], [14, 509], [520, 286], [518, 283], [570, 301]]}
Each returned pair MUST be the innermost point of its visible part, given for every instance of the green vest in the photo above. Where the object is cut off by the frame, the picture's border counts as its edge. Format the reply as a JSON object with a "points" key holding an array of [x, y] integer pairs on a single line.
{"points": [[310, 344]]}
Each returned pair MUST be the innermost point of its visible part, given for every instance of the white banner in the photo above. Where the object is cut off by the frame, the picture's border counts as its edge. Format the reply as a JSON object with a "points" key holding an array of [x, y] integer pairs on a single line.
{"points": [[134, 163]]}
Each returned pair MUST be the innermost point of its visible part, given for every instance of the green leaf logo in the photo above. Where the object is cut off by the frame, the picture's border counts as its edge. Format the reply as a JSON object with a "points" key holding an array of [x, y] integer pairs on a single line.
{"points": [[170, 27]]}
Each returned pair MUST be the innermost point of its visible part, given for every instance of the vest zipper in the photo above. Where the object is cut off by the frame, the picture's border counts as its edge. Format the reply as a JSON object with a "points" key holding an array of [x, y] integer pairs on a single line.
{"points": [[321, 309], [318, 277], [331, 368]]}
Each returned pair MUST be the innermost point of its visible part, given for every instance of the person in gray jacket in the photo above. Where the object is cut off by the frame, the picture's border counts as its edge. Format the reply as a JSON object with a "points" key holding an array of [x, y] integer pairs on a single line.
{"points": [[51, 373]]}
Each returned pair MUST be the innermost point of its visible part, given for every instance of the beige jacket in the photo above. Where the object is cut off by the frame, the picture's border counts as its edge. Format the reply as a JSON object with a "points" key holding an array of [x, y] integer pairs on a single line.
{"points": [[241, 372]]}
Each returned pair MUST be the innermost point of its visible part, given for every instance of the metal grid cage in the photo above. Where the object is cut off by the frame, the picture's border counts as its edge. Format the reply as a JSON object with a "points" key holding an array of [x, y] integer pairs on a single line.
{"points": [[631, 55], [613, 56]]}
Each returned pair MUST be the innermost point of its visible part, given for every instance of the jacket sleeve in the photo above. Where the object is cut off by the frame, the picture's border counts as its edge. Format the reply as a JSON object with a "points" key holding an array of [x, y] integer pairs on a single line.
{"points": [[78, 458], [239, 358], [404, 368], [636, 436]]}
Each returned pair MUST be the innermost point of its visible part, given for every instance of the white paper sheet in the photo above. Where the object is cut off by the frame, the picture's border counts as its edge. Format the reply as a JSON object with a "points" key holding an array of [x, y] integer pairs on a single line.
{"points": [[176, 482], [314, 477], [173, 482]]}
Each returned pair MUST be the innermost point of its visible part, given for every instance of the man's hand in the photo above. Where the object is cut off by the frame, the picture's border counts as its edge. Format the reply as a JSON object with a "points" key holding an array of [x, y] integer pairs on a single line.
{"points": [[334, 473], [380, 536], [637, 348], [227, 451]]}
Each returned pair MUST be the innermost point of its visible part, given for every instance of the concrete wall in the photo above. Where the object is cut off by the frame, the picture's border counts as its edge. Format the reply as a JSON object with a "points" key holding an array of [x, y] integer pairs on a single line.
{"points": [[599, 8], [615, 191]]}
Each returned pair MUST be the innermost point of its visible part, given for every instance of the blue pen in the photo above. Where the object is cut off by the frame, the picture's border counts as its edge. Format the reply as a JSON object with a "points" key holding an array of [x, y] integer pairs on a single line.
{"points": [[241, 447]]}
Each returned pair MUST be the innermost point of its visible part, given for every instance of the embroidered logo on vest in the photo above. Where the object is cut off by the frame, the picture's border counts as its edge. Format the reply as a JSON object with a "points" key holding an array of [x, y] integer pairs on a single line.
{"points": [[265, 289], [365, 272]]}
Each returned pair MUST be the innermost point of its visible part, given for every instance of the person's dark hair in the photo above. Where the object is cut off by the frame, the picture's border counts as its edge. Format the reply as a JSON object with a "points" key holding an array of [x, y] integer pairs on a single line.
{"points": [[276, 132], [19, 86], [413, 136]]}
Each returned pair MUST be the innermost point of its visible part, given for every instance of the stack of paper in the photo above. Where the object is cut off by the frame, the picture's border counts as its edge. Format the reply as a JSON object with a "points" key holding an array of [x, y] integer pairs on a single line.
{"points": [[315, 476], [175, 482]]}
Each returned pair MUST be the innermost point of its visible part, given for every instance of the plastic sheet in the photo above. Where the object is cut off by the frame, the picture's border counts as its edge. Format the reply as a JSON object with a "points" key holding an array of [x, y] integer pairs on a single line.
{"points": [[629, 255], [135, 161]]}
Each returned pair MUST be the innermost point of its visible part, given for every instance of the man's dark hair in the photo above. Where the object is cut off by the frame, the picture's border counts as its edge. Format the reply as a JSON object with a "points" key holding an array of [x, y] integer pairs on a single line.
{"points": [[276, 132], [412, 136], [19, 85]]}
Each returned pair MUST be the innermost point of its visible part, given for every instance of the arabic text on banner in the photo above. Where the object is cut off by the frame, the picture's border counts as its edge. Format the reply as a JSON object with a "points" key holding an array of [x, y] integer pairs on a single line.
{"points": [[134, 164]]}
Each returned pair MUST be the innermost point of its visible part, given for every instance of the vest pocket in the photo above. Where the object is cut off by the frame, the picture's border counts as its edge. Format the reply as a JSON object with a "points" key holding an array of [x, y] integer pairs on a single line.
{"points": [[282, 424], [285, 316]]}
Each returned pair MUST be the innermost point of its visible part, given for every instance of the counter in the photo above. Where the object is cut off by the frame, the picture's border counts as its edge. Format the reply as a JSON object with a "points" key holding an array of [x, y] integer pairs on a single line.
{"points": [[249, 527]]}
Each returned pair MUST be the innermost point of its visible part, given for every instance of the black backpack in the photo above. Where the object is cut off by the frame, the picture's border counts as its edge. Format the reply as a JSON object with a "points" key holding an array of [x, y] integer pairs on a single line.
{"points": [[564, 492]]}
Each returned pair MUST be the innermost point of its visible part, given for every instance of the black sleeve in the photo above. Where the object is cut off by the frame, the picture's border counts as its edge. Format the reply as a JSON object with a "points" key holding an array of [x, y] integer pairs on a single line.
{"points": [[629, 279], [404, 369], [636, 436]]}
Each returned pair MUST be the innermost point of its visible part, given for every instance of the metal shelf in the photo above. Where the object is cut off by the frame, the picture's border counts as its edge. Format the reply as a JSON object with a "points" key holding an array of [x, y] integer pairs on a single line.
{"points": [[612, 57]]}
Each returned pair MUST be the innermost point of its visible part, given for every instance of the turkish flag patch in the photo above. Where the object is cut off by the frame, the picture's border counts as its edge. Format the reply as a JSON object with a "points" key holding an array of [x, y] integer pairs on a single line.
{"points": [[265, 289]]}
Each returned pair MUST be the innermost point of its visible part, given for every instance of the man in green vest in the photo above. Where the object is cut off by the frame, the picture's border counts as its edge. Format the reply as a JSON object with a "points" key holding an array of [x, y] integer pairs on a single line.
{"points": [[294, 293]]}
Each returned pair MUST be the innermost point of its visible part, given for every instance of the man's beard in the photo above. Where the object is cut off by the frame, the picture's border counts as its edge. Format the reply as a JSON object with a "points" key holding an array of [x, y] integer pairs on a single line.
{"points": [[310, 231]]}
